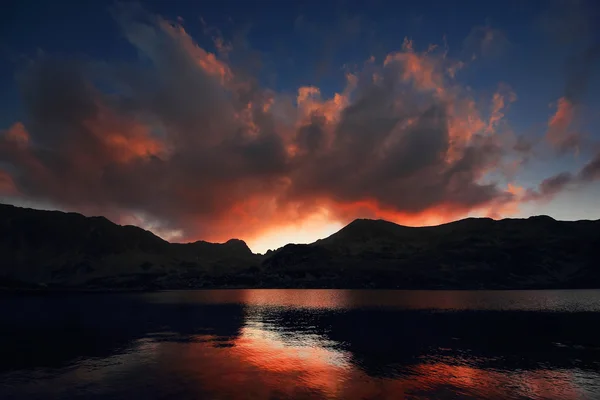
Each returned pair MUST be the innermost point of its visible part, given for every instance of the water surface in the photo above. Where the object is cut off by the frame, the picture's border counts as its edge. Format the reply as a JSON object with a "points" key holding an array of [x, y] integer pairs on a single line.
{"points": [[305, 344]]}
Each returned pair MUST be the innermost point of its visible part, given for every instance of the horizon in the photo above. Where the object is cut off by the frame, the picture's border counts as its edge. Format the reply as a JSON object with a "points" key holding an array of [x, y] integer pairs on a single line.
{"points": [[284, 124], [258, 251]]}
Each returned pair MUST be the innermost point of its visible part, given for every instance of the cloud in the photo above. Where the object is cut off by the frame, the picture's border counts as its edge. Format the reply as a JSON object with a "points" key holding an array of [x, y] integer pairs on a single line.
{"points": [[560, 134], [17, 134], [552, 186], [500, 101], [570, 23], [591, 171], [187, 143], [7, 185]]}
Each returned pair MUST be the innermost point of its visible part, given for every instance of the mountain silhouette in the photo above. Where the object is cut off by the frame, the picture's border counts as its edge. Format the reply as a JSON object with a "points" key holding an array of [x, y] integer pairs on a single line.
{"points": [[537, 252], [52, 249], [68, 249]]}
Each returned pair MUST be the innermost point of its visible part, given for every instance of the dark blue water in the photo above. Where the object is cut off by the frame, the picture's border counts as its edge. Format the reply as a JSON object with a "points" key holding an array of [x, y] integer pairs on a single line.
{"points": [[302, 344]]}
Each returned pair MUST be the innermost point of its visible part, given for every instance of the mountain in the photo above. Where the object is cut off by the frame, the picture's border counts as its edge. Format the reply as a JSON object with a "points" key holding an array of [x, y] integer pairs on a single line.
{"points": [[59, 250], [537, 252]]}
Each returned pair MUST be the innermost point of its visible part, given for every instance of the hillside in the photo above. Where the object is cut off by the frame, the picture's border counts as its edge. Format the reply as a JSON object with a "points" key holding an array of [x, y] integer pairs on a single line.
{"points": [[56, 249], [537, 252]]}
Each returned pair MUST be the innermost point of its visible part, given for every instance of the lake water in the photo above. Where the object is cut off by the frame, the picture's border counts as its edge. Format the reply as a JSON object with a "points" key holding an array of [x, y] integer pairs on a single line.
{"points": [[302, 344]]}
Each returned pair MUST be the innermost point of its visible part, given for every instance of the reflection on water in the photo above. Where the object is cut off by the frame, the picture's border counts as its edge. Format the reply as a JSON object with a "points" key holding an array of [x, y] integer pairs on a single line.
{"points": [[522, 300], [274, 344]]}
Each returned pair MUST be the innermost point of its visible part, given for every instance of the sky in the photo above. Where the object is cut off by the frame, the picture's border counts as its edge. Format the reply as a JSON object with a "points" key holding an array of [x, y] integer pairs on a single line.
{"points": [[280, 122]]}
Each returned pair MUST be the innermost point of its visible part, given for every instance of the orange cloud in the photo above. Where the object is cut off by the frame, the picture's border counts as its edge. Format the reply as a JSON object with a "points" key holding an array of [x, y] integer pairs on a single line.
{"points": [[563, 116], [465, 122], [499, 102], [421, 69], [18, 134], [125, 139], [7, 185], [559, 132], [205, 60]]}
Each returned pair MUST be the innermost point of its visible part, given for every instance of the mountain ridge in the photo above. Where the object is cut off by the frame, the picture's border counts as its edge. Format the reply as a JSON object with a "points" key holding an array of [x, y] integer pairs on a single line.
{"points": [[57, 249], [69, 249]]}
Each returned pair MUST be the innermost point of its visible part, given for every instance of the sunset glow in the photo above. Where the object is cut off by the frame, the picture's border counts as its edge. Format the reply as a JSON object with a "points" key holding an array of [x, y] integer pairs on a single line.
{"points": [[305, 232]]}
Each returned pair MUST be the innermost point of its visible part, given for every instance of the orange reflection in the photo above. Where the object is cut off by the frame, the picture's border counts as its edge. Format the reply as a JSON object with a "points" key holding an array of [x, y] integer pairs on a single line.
{"points": [[263, 364], [317, 367], [266, 360], [329, 299], [344, 299]]}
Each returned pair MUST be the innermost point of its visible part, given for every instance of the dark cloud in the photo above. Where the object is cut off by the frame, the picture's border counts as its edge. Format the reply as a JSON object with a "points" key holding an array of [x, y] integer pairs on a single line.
{"points": [[552, 186], [99, 149], [591, 171], [523, 145]]}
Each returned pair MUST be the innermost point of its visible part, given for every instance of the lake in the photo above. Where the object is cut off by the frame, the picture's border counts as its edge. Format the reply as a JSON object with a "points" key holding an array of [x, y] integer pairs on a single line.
{"points": [[302, 344]]}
